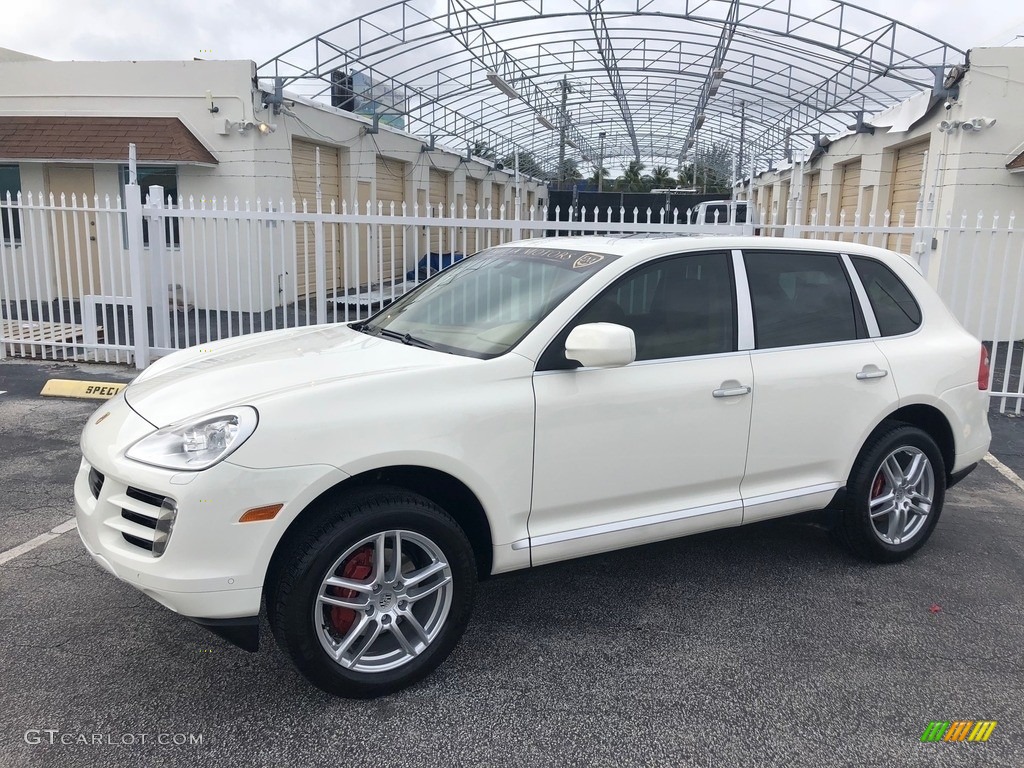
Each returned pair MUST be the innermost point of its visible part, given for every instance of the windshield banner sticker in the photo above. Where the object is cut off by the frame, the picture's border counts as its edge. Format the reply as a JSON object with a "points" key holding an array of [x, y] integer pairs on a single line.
{"points": [[580, 262]]}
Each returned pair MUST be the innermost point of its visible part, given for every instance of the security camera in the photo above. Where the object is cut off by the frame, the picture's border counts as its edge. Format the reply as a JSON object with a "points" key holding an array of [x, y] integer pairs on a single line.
{"points": [[948, 105]]}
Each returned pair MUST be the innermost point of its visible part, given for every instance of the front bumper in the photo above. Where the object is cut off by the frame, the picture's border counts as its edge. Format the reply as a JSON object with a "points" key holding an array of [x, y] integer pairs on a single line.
{"points": [[213, 566]]}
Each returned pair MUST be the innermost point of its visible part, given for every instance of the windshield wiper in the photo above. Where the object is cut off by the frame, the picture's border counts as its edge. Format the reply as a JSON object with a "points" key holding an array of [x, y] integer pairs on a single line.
{"points": [[405, 338]]}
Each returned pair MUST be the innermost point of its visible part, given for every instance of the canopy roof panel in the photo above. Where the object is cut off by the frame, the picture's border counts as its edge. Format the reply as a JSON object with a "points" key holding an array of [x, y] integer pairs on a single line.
{"points": [[656, 77]]}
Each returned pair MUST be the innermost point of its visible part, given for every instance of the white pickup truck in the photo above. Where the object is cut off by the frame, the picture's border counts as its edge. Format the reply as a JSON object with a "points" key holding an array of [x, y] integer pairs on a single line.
{"points": [[725, 212]]}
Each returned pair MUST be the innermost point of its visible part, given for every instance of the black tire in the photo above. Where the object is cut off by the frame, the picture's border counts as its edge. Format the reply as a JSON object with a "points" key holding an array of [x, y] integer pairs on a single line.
{"points": [[854, 527], [299, 621]]}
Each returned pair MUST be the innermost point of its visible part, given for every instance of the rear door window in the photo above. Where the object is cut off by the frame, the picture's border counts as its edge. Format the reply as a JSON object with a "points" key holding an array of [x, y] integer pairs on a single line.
{"points": [[801, 298]]}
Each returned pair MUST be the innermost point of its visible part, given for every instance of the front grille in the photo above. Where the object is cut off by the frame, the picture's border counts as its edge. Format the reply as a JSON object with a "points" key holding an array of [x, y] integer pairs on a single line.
{"points": [[95, 482], [155, 513]]}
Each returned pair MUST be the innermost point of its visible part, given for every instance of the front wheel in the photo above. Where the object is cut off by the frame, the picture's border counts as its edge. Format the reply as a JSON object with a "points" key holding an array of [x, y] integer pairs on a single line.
{"points": [[894, 495], [373, 595]]}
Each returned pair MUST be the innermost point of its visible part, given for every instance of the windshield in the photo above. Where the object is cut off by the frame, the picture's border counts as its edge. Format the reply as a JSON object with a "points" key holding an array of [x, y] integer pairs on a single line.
{"points": [[485, 304]]}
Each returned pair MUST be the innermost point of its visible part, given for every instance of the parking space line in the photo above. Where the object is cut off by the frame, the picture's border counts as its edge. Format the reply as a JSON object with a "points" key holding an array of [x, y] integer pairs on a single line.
{"points": [[38, 541], [1004, 470]]}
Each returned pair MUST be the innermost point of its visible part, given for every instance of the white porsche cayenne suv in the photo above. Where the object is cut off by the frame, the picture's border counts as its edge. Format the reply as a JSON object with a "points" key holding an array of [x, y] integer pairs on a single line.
{"points": [[537, 401]]}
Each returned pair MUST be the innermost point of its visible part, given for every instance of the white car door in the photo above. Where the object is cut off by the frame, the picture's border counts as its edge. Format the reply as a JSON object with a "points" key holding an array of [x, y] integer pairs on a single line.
{"points": [[654, 449], [820, 384]]}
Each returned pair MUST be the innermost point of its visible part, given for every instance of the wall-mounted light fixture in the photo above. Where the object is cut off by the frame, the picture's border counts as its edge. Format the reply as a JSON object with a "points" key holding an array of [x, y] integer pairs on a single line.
{"points": [[247, 125], [977, 123]]}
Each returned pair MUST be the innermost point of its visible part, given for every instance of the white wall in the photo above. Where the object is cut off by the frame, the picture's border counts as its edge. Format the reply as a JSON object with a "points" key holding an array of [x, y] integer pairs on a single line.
{"points": [[976, 176]]}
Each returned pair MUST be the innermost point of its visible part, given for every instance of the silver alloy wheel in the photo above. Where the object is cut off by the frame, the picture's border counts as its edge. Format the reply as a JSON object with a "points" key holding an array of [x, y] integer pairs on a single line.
{"points": [[902, 492], [390, 606]]}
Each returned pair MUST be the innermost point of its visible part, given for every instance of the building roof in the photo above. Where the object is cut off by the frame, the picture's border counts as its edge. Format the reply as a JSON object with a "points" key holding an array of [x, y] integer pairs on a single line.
{"points": [[1017, 164], [101, 139]]}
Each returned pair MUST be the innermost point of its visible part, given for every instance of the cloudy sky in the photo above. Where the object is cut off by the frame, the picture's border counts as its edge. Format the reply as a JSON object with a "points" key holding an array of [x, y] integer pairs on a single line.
{"points": [[260, 29]]}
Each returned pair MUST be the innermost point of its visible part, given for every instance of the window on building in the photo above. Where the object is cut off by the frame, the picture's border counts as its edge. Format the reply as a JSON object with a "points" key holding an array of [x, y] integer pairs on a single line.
{"points": [[800, 298], [10, 182], [149, 176], [894, 306]]}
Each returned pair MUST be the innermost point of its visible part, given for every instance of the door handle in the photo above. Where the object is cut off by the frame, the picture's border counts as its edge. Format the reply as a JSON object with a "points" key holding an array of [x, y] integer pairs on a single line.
{"points": [[731, 392], [872, 372]]}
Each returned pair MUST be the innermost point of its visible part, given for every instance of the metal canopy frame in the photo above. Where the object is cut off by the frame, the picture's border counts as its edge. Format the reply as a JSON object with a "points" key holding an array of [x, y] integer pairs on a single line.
{"points": [[658, 77]]}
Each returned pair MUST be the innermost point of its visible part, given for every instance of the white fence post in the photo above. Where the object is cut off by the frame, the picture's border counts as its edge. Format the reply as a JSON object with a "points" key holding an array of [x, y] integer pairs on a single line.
{"points": [[319, 252], [517, 228], [137, 266], [158, 269]]}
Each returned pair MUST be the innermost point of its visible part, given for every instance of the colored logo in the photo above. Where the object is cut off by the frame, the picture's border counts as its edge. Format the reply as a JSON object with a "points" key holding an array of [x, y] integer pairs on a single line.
{"points": [[587, 260], [959, 730]]}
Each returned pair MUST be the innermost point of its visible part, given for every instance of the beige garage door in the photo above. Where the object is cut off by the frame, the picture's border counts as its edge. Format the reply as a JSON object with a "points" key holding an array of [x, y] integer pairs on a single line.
{"points": [[472, 197], [906, 190], [475, 238], [813, 190], [765, 208], [849, 192], [391, 178], [439, 236], [497, 190], [304, 188], [783, 204]]}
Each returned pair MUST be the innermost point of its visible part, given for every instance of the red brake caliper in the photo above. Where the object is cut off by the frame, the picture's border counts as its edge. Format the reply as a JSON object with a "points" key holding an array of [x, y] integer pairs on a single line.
{"points": [[357, 568], [876, 487]]}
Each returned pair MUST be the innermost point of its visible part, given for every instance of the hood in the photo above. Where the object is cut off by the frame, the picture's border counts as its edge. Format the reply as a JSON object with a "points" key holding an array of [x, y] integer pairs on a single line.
{"points": [[260, 366]]}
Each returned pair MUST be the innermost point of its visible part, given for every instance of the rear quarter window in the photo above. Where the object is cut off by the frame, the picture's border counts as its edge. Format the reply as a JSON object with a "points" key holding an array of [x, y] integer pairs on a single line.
{"points": [[895, 308]]}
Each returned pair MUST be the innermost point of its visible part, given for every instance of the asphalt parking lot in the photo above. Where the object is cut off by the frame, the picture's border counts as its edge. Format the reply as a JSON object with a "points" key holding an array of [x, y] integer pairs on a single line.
{"points": [[759, 646]]}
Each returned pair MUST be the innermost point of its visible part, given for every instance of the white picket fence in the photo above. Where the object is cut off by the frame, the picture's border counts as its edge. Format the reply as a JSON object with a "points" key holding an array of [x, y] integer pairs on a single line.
{"points": [[93, 280]]}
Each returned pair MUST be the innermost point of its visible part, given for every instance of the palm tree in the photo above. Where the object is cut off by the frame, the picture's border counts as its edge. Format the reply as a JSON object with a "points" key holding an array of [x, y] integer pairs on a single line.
{"points": [[631, 179], [598, 175], [570, 171], [662, 177], [528, 164]]}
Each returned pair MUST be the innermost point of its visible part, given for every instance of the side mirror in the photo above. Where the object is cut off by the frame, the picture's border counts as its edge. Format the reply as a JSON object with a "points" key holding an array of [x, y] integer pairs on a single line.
{"points": [[601, 345]]}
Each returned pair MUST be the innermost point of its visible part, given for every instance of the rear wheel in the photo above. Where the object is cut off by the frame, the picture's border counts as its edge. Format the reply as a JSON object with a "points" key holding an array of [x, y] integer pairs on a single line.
{"points": [[374, 594], [894, 496]]}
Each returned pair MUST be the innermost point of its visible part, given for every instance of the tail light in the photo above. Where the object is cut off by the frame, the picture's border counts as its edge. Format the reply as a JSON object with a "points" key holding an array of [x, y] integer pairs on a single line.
{"points": [[983, 369]]}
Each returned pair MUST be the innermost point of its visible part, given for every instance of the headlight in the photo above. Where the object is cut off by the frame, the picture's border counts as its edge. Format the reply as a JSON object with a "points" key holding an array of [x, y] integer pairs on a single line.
{"points": [[199, 444]]}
